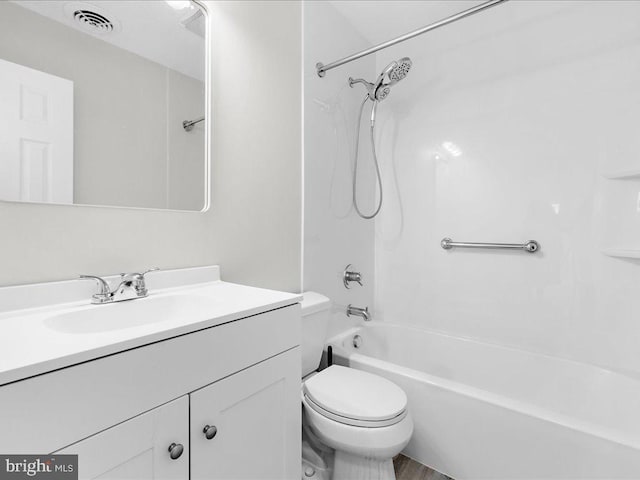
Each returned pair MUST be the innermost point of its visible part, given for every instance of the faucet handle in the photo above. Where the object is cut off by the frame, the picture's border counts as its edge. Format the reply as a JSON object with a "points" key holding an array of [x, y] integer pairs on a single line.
{"points": [[104, 294], [136, 275], [349, 276], [139, 281], [103, 285]]}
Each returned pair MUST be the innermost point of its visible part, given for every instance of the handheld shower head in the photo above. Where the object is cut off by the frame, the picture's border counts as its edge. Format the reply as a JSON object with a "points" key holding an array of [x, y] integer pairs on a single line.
{"points": [[377, 91], [400, 70], [395, 72]]}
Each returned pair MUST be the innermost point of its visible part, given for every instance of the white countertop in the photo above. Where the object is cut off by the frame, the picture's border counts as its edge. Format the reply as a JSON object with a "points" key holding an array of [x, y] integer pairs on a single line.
{"points": [[31, 345]]}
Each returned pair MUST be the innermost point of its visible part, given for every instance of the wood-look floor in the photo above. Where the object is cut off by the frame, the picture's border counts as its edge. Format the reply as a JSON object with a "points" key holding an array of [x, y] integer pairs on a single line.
{"points": [[408, 469]]}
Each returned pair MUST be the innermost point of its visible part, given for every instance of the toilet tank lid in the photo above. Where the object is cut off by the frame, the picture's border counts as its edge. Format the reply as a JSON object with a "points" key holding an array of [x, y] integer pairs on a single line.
{"points": [[313, 302]]}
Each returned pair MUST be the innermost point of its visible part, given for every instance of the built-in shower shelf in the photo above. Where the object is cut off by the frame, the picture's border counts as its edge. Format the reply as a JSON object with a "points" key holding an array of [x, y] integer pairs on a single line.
{"points": [[622, 252], [621, 175]]}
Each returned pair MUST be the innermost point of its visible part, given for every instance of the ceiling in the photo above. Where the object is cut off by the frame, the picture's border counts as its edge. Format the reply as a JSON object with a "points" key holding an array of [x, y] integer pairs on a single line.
{"points": [[381, 20], [149, 28]]}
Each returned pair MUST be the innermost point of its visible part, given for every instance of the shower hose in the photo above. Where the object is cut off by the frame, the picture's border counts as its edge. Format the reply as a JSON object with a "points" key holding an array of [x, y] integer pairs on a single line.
{"points": [[375, 160]]}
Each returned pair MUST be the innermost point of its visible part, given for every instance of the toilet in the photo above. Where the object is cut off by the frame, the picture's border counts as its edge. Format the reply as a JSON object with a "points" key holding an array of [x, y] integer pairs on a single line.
{"points": [[354, 422]]}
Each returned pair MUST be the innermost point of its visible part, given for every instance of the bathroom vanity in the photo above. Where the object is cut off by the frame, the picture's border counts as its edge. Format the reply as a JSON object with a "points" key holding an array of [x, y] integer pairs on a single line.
{"points": [[208, 390]]}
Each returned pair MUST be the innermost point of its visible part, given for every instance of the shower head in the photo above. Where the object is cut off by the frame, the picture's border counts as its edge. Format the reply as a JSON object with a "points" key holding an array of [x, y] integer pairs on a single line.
{"points": [[400, 70], [395, 72]]}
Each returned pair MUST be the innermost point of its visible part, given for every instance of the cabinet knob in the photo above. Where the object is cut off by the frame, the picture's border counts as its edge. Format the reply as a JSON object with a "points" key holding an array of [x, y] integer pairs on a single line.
{"points": [[210, 431], [175, 450]]}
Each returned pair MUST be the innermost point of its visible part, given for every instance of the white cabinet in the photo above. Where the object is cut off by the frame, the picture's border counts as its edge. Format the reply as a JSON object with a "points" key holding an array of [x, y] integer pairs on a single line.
{"points": [[121, 413], [138, 449], [252, 420], [74, 403], [245, 426]]}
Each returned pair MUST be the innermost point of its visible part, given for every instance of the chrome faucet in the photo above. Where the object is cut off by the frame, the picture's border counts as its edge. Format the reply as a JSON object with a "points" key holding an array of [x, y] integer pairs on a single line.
{"points": [[132, 285], [360, 312]]}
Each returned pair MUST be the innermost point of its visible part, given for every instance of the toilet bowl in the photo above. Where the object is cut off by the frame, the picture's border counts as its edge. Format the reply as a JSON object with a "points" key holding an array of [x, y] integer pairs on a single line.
{"points": [[362, 417]]}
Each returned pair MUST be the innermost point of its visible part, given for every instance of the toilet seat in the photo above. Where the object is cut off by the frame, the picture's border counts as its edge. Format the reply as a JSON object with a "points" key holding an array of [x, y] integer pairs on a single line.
{"points": [[355, 422], [354, 397]]}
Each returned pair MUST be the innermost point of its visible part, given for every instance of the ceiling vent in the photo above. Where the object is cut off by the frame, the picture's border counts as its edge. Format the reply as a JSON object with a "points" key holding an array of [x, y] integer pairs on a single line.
{"points": [[91, 19]]}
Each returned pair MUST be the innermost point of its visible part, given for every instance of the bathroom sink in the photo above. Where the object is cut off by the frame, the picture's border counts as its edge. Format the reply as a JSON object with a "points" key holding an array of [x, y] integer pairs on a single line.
{"points": [[48, 326], [131, 313]]}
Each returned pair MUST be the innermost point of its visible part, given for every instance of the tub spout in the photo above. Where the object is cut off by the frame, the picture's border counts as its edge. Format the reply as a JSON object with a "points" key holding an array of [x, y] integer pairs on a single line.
{"points": [[360, 312]]}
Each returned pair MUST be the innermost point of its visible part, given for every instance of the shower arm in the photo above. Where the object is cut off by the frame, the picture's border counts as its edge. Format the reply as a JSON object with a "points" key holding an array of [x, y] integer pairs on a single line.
{"points": [[322, 69], [371, 91], [353, 81], [189, 124]]}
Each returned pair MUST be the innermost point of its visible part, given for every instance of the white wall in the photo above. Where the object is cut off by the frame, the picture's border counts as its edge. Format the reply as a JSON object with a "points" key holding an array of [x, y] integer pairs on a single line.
{"points": [[253, 227], [539, 98], [334, 235], [257, 192]]}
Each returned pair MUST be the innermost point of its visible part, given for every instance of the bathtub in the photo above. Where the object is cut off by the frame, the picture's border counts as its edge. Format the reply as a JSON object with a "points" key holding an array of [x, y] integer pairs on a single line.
{"points": [[483, 411]]}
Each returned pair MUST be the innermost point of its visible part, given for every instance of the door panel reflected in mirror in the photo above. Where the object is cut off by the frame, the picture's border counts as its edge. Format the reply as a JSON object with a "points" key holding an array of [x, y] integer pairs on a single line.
{"points": [[94, 97]]}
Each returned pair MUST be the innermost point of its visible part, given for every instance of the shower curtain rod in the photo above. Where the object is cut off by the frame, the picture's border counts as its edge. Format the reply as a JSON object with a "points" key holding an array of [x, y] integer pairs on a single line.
{"points": [[322, 69]]}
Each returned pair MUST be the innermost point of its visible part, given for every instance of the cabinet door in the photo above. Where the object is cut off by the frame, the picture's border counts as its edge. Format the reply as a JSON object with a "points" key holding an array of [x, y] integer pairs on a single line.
{"points": [[256, 415], [138, 449]]}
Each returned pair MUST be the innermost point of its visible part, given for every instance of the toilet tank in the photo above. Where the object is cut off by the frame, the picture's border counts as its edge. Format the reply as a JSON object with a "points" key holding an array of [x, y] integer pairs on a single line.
{"points": [[315, 322]]}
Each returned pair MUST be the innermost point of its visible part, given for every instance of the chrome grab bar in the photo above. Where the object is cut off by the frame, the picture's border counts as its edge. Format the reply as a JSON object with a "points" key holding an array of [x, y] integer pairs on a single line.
{"points": [[530, 246]]}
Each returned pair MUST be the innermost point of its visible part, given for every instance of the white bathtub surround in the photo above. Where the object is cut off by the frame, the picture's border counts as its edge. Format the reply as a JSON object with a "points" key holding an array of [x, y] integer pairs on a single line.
{"points": [[472, 402], [502, 133]]}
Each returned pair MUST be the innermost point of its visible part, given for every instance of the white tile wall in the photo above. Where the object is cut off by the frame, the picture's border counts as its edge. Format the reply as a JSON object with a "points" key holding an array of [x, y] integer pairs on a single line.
{"points": [[500, 133]]}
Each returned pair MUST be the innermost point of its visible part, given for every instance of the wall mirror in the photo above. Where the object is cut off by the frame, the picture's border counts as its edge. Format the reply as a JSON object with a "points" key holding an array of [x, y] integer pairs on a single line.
{"points": [[103, 103]]}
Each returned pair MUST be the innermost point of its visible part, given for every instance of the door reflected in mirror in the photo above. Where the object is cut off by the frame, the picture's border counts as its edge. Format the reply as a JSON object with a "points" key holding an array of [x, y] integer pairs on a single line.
{"points": [[103, 103]]}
